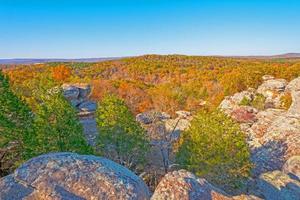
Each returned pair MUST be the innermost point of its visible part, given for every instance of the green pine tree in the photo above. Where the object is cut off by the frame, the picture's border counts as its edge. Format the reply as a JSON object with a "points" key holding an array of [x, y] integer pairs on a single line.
{"points": [[121, 138], [17, 139], [57, 127], [214, 147]]}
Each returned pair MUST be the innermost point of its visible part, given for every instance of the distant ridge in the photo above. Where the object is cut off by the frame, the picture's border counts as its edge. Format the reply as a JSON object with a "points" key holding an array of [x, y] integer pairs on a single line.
{"points": [[46, 60], [89, 60], [286, 56]]}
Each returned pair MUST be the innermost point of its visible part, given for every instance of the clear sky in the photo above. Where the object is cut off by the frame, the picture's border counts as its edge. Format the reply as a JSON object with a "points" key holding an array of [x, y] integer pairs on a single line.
{"points": [[86, 28]]}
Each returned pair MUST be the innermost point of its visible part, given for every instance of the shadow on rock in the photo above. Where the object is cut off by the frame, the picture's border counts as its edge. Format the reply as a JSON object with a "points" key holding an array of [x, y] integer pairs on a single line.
{"points": [[268, 157]]}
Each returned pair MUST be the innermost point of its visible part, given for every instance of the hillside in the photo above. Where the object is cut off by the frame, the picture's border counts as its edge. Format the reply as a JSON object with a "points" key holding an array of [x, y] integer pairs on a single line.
{"points": [[165, 83]]}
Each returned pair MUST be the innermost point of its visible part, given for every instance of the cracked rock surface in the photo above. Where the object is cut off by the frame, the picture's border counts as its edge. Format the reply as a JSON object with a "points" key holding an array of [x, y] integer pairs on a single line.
{"points": [[72, 176]]}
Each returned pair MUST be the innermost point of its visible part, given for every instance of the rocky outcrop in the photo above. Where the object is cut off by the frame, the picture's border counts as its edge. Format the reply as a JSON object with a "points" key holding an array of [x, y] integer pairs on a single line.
{"points": [[273, 135], [272, 90], [72, 176], [78, 95], [59, 176], [186, 186]]}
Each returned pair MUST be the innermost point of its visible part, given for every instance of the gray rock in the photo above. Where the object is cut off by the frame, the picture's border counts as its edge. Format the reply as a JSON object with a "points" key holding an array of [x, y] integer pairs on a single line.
{"points": [[294, 85], [144, 118], [90, 130], [88, 106], [72, 176], [272, 85], [280, 140], [294, 88], [75, 102], [277, 185], [227, 105], [84, 90], [292, 166], [273, 90], [151, 116], [70, 92], [238, 97], [184, 185], [183, 113], [177, 125], [232, 102], [295, 107]]}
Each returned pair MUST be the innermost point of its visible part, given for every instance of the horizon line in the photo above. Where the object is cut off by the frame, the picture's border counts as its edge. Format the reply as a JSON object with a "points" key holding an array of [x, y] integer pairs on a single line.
{"points": [[174, 54]]}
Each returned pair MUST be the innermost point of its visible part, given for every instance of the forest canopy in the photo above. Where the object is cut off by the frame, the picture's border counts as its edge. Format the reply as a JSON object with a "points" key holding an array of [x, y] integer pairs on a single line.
{"points": [[164, 83]]}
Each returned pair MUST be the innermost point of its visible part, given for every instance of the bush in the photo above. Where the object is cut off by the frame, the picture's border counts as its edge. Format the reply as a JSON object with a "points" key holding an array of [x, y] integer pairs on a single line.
{"points": [[215, 148], [16, 129], [57, 126], [259, 102], [245, 102], [286, 101], [121, 138]]}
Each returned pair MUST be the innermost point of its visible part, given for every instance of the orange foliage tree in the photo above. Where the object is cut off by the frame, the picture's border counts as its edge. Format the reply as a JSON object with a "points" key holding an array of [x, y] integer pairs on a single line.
{"points": [[61, 73]]}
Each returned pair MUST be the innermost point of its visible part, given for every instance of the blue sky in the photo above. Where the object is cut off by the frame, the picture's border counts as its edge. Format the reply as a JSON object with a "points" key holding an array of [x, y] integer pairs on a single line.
{"points": [[86, 28]]}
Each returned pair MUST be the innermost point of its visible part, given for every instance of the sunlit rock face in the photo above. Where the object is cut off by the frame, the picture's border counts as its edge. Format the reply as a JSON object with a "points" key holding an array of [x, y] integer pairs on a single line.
{"points": [[71, 176], [294, 88], [186, 186]]}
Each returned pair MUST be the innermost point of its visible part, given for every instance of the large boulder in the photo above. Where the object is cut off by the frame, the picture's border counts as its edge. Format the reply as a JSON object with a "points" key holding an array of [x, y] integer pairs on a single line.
{"points": [[184, 185], [72, 176], [277, 185]]}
